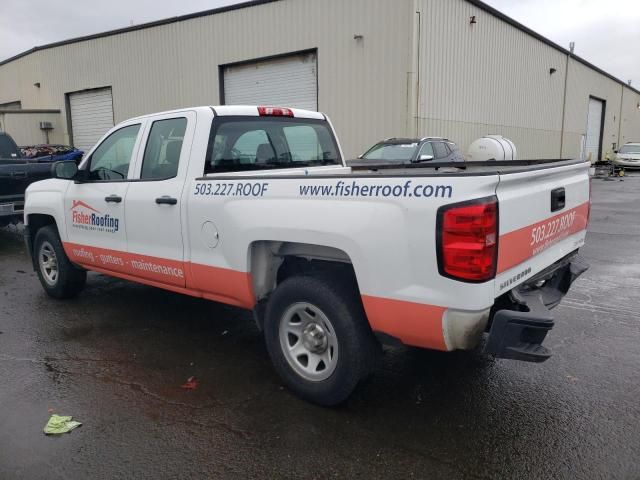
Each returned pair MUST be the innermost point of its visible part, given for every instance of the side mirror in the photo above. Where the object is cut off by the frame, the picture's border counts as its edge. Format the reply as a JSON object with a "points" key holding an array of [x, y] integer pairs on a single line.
{"points": [[426, 158], [65, 170]]}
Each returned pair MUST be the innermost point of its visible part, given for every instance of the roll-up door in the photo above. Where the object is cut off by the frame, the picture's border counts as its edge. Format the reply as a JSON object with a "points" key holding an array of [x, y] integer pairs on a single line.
{"points": [[290, 81], [91, 116]]}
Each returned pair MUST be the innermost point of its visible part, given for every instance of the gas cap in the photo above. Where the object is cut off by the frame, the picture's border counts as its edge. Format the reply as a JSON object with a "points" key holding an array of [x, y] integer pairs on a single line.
{"points": [[210, 234]]}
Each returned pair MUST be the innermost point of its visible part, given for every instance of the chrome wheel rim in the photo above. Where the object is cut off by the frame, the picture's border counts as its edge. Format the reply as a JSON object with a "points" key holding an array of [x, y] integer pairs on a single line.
{"points": [[48, 263], [308, 341]]}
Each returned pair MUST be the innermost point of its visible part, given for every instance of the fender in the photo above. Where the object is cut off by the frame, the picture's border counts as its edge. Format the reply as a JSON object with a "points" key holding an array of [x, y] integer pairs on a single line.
{"points": [[46, 198]]}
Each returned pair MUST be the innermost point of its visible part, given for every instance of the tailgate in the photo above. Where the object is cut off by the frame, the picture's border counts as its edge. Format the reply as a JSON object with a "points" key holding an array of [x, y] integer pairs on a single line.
{"points": [[543, 217]]}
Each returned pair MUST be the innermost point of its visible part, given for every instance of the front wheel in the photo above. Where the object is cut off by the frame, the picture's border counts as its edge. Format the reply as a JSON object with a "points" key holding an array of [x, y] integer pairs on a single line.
{"points": [[318, 338], [58, 276]]}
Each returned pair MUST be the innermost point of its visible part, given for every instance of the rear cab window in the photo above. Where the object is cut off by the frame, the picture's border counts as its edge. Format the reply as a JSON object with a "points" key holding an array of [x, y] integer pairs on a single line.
{"points": [[261, 143]]}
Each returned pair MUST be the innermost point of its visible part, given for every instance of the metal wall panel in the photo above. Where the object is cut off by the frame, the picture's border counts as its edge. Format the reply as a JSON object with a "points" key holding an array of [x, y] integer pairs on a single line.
{"points": [[24, 128], [582, 84], [487, 78], [630, 126], [362, 82], [474, 79]]}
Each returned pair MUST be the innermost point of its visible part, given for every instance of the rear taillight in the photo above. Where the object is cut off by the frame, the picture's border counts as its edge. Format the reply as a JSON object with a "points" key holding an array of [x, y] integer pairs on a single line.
{"points": [[468, 240], [275, 112]]}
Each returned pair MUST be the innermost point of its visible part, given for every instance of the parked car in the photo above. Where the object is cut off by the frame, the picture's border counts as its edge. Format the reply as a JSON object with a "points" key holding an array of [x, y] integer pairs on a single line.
{"points": [[16, 173], [255, 207], [51, 152], [414, 150], [628, 156]]}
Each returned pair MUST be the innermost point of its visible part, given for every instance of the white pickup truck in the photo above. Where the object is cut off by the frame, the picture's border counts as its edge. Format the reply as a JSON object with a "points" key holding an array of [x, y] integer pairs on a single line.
{"points": [[256, 207]]}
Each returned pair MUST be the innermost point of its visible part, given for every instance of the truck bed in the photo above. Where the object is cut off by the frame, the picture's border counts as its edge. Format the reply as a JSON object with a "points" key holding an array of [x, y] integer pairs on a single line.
{"points": [[16, 175]]}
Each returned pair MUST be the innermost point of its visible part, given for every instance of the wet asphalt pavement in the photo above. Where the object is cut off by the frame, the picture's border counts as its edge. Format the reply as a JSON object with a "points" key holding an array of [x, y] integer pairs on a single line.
{"points": [[115, 358]]}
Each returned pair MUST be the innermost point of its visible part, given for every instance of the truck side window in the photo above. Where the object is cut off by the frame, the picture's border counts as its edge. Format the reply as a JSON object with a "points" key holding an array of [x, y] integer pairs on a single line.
{"points": [[162, 152], [110, 161]]}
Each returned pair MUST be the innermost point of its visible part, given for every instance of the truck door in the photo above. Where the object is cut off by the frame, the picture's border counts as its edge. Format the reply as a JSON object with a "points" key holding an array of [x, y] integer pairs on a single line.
{"points": [[95, 208], [154, 206]]}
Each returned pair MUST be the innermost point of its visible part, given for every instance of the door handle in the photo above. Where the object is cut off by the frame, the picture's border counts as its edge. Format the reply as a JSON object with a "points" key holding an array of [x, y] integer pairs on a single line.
{"points": [[113, 199], [166, 200], [558, 199]]}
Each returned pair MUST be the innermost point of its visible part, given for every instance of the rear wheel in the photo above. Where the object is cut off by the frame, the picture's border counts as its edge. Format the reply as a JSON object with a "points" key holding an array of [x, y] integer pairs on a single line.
{"points": [[318, 338], [58, 276]]}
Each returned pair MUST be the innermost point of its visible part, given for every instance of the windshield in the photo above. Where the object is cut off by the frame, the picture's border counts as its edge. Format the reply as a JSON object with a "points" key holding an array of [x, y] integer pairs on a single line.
{"points": [[259, 143], [630, 149], [399, 152], [8, 148]]}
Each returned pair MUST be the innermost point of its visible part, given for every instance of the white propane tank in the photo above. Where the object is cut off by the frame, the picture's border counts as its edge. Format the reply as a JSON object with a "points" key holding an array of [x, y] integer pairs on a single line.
{"points": [[492, 147]]}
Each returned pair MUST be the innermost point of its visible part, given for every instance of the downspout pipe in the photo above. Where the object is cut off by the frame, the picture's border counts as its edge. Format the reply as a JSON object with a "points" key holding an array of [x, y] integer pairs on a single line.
{"points": [[564, 103], [620, 118]]}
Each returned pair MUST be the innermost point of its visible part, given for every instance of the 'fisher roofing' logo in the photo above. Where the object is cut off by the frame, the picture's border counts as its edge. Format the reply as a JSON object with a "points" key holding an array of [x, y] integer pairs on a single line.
{"points": [[86, 217]]}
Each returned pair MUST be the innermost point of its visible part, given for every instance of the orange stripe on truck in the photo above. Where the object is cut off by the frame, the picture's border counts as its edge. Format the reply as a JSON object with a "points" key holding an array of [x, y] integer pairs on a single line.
{"points": [[415, 324], [205, 281], [223, 285], [517, 246]]}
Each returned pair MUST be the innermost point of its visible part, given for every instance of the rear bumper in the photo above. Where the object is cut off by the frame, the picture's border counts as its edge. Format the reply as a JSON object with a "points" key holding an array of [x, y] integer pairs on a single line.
{"points": [[11, 207], [521, 318]]}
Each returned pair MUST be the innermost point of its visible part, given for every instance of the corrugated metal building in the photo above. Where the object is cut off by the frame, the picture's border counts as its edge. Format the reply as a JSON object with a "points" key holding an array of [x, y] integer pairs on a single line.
{"points": [[379, 68]]}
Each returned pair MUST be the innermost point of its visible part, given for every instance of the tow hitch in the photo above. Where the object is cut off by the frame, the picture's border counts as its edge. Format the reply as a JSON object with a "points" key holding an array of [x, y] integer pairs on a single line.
{"points": [[517, 331]]}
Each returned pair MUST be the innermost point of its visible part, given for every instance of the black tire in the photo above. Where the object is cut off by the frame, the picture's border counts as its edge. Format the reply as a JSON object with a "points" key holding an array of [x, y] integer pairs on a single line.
{"points": [[69, 280], [357, 347]]}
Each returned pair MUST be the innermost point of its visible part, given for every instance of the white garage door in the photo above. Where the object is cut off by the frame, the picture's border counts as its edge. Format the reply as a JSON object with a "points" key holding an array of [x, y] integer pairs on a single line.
{"points": [[594, 129], [91, 116], [285, 82]]}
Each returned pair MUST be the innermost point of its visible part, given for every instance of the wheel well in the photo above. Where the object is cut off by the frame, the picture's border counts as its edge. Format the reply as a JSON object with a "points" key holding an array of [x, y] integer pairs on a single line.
{"points": [[273, 262], [292, 266], [35, 222]]}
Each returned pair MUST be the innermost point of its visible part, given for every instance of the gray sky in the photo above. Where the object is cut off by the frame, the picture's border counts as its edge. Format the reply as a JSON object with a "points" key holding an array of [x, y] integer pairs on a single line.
{"points": [[606, 32]]}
